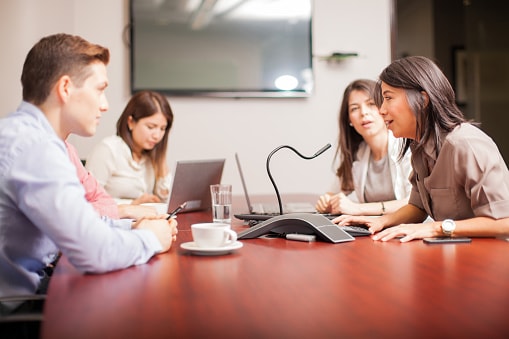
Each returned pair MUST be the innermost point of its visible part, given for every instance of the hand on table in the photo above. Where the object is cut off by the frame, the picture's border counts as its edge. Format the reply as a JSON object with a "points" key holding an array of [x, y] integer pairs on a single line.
{"points": [[337, 204], [407, 232], [323, 203], [165, 230], [374, 224], [146, 198]]}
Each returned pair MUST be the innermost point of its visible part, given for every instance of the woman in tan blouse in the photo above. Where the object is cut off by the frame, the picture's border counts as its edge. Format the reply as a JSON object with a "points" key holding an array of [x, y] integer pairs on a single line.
{"points": [[459, 176]]}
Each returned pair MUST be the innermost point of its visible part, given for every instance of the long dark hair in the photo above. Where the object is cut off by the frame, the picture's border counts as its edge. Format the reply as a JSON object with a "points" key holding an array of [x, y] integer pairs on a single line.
{"points": [[141, 105], [349, 140], [437, 117]]}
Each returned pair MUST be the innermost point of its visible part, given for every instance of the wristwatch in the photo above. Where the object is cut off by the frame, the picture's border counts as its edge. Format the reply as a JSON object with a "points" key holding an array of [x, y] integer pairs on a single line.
{"points": [[448, 226]]}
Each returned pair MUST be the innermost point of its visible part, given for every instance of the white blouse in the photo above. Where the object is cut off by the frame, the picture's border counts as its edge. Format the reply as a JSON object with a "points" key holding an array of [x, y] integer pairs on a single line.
{"points": [[112, 164], [400, 171]]}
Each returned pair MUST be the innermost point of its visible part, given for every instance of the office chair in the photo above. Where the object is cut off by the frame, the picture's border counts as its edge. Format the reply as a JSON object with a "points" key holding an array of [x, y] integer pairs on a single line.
{"points": [[25, 322]]}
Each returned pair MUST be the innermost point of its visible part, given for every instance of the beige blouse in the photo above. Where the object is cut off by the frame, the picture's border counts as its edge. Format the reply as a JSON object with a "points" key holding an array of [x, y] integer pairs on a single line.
{"points": [[468, 178], [113, 166]]}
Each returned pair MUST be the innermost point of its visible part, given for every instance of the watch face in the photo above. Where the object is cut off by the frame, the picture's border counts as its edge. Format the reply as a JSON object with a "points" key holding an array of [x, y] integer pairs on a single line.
{"points": [[448, 225]]}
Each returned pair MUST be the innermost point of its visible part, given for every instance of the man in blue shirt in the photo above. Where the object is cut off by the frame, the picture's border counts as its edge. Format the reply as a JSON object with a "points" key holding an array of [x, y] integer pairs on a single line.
{"points": [[43, 210]]}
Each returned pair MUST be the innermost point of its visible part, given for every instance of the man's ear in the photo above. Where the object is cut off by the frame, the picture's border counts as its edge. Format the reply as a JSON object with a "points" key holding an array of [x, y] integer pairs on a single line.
{"points": [[63, 88], [425, 99]]}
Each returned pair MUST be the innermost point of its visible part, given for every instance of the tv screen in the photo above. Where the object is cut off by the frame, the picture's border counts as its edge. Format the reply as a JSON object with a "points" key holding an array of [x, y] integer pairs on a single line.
{"points": [[231, 48]]}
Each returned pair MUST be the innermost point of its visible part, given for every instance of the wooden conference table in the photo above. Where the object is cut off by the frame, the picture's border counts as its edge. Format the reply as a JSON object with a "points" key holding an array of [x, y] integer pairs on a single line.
{"points": [[278, 288]]}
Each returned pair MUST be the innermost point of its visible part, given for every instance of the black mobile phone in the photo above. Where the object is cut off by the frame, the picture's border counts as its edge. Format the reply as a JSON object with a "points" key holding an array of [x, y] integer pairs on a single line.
{"points": [[446, 240]]}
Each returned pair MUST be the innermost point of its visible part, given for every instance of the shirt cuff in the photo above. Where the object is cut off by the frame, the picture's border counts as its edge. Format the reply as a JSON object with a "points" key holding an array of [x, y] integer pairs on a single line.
{"points": [[125, 224], [150, 240]]}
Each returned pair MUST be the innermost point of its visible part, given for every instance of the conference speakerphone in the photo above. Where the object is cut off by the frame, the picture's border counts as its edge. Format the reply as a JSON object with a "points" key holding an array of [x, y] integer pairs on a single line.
{"points": [[296, 223], [299, 223]]}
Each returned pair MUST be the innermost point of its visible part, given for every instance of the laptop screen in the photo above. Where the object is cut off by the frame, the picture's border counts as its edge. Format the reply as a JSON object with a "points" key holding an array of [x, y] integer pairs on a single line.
{"points": [[244, 186], [191, 183]]}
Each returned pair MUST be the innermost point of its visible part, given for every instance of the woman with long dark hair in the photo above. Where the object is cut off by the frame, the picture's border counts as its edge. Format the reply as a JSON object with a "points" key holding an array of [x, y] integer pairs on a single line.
{"points": [[459, 177], [372, 178]]}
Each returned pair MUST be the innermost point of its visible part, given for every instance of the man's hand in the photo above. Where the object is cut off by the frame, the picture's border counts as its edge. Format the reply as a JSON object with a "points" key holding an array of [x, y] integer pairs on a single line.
{"points": [[165, 230]]}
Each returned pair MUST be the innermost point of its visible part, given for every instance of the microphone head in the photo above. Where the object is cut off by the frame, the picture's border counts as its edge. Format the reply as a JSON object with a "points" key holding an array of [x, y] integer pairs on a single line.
{"points": [[321, 150]]}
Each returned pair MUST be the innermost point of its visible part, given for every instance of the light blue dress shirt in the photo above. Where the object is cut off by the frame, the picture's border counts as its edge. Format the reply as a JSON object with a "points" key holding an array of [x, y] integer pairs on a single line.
{"points": [[43, 210]]}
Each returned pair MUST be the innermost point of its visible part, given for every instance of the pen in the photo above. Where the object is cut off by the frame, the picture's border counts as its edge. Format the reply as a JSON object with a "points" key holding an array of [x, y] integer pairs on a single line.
{"points": [[176, 210]]}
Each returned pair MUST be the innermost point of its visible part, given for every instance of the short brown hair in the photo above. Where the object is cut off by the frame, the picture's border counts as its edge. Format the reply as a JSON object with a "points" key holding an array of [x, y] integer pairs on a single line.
{"points": [[54, 56]]}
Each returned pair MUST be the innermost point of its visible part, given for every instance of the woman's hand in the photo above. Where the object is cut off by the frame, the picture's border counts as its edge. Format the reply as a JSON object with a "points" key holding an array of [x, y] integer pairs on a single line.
{"points": [[323, 203], [341, 204], [144, 198], [337, 204], [407, 232], [374, 224]]}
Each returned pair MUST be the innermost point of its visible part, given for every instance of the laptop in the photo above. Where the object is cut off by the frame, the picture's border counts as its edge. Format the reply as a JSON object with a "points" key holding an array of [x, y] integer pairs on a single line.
{"points": [[259, 211], [191, 184]]}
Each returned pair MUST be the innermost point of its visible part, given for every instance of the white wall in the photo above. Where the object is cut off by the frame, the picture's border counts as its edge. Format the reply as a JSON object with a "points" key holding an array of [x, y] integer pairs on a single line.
{"points": [[219, 127]]}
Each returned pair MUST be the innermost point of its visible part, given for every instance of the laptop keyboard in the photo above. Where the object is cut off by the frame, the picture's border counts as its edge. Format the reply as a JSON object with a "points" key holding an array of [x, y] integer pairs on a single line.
{"points": [[356, 231], [266, 209], [273, 209]]}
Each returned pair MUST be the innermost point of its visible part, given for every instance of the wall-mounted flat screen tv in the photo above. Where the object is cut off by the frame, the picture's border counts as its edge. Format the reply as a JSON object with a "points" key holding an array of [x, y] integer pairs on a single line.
{"points": [[226, 48]]}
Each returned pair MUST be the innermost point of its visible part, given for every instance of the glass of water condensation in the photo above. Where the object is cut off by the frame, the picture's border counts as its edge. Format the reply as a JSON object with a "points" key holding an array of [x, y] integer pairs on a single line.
{"points": [[221, 203]]}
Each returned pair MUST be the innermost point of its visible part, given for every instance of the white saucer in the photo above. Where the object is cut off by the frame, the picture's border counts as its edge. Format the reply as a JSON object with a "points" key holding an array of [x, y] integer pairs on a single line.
{"points": [[191, 246]]}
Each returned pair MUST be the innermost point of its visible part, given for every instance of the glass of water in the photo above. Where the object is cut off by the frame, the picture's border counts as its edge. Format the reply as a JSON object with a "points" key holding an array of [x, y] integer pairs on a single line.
{"points": [[221, 203]]}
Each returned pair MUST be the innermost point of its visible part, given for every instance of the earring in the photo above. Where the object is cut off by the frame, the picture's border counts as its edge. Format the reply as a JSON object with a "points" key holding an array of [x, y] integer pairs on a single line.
{"points": [[350, 124]]}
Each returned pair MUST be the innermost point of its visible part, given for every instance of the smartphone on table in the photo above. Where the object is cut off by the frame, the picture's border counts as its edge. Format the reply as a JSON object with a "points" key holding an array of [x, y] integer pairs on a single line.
{"points": [[446, 240]]}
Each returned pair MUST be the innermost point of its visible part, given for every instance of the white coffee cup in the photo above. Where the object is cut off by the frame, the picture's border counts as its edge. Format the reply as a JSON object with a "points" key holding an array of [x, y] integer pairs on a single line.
{"points": [[213, 235]]}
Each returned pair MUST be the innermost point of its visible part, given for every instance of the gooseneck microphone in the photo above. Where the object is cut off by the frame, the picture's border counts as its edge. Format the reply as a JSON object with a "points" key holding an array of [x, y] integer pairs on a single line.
{"points": [[320, 151]]}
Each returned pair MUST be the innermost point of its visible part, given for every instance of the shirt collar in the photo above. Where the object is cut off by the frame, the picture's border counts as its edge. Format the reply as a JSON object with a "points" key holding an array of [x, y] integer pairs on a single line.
{"points": [[34, 111]]}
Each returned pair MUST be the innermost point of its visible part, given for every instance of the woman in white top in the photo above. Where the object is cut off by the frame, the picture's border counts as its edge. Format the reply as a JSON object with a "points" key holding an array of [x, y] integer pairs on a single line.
{"points": [[373, 178], [132, 164]]}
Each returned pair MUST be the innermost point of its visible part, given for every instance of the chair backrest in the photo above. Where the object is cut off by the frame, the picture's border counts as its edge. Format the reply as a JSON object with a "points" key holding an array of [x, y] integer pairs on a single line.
{"points": [[25, 321]]}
